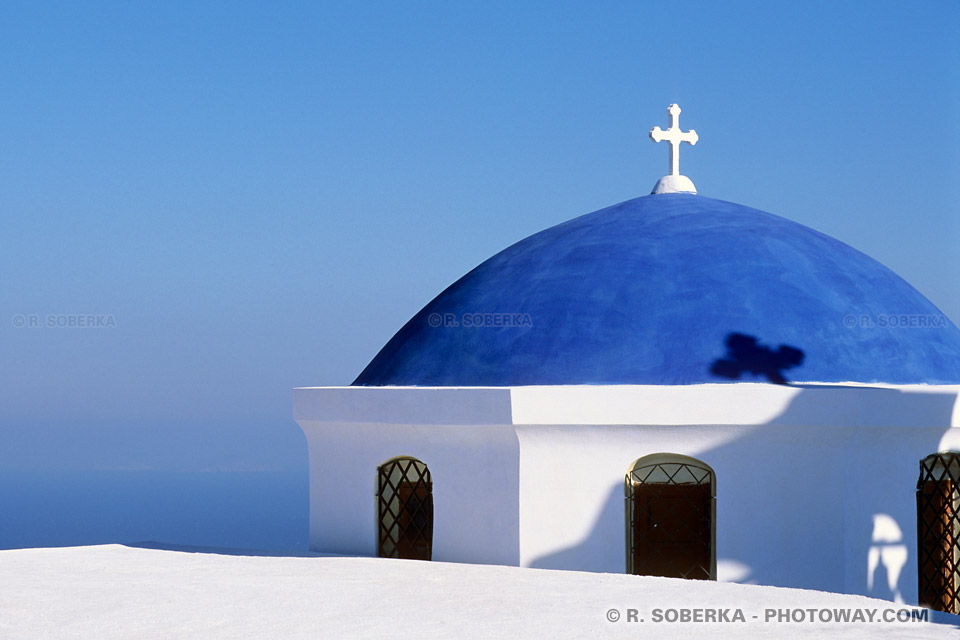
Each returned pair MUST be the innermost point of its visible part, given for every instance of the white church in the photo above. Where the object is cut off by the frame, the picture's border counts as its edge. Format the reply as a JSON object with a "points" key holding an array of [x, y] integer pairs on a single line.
{"points": [[674, 386]]}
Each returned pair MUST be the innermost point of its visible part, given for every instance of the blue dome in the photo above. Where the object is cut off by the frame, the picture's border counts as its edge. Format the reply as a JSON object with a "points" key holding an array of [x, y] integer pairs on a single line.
{"points": [[673, 289]]}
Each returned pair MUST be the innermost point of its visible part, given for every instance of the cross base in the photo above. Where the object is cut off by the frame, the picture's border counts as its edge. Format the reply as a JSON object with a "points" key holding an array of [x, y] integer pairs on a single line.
{"points": [[674, 184]]}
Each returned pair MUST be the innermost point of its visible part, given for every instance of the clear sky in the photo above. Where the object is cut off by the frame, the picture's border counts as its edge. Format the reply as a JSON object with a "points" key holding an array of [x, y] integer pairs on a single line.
{"points": [[260, 194]]}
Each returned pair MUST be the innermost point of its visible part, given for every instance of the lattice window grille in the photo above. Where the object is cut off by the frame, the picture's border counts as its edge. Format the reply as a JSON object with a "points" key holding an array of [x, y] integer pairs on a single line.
{"points": [[404, 509], [938, 531]]}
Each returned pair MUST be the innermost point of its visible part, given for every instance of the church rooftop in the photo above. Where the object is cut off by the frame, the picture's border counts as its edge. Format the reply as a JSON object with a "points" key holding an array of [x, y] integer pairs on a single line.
{"points": [[668, 289]]}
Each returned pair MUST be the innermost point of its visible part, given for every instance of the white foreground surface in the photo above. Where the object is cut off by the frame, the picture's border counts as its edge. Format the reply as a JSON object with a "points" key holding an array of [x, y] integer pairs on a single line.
{"points": [[114, 591]]}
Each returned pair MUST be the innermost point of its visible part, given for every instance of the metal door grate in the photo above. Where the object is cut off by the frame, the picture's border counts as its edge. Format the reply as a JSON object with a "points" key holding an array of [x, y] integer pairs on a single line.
{"points": [[938, 531], [404, 509]]}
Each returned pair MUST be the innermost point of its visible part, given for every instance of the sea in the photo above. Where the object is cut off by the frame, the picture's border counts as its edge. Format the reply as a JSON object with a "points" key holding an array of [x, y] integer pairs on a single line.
{"points": [[253, 510]]}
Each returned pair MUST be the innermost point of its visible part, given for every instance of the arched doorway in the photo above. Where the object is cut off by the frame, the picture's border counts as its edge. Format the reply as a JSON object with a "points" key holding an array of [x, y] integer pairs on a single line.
{"points": [[404, 509], [938, 531], [671, 514]]}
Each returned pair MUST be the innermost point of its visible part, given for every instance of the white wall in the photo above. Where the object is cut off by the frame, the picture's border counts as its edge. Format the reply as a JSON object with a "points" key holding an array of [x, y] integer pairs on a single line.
{"points": [[798, 497], [778, 522], [796, 506], [571, 487], [815, 484], [475, 486], [884, 484]]}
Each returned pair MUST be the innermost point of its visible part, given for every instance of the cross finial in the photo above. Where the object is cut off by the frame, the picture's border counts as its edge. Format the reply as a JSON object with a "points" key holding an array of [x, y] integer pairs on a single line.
{"points": [[674, 182]]}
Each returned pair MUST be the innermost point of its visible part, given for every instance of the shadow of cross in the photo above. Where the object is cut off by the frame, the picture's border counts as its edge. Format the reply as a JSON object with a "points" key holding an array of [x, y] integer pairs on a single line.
{"points": [[746, 355]]}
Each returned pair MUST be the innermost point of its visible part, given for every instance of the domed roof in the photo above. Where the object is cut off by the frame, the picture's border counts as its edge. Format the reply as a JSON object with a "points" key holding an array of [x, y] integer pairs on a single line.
{"points": [[673, 289]]}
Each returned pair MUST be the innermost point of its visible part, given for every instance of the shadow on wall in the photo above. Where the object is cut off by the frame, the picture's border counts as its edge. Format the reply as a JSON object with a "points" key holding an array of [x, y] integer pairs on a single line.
{"points": [[886, 559], [594, 550], [780, 483], [746, 355]]}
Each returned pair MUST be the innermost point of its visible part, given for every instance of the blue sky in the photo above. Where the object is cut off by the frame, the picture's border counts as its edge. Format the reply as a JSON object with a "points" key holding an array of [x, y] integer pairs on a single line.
{"points": [[261, 194]]}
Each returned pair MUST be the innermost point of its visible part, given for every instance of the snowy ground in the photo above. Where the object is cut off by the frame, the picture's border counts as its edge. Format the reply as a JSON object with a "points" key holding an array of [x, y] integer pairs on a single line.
{"points": [[114, 591]]}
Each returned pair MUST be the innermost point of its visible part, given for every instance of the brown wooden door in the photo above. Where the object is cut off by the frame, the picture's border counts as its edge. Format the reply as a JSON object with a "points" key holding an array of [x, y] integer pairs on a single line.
{"points": [[415, 521], [404, 509], [672, 530], [937, 545]]}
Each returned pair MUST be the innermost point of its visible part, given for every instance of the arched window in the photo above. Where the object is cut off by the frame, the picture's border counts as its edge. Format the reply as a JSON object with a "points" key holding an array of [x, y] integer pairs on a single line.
{"points": [[404, 509], [671, 513], [938, 531]]}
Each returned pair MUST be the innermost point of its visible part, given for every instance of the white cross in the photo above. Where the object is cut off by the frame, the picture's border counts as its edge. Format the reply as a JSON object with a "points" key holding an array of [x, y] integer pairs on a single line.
{"points": [[674, 136]]}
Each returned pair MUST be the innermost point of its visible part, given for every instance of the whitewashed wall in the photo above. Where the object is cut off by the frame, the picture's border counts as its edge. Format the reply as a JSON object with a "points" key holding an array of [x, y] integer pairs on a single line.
{"points": [[815, 485], [474, 467]]}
